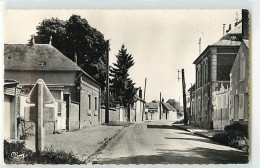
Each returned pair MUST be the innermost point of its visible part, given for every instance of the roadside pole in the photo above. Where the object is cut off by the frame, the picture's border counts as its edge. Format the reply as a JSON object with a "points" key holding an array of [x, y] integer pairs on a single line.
{"points": [[160, 105], [144, 100], [107, 84], [184, 97]]}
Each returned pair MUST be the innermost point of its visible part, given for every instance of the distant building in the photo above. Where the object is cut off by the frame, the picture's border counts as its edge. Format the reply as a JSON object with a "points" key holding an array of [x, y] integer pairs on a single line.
{"points": [[191, 114], [77, 94], [137, 110], [169, 113], [152, 111]]}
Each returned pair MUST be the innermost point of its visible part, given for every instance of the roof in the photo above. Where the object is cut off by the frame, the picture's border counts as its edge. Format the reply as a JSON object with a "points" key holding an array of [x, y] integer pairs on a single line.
{"points": [[152, 105], [138, 98], [246, 43], [10, 83], [168, 107], [39, 57], [192, 88], [225, 41]]}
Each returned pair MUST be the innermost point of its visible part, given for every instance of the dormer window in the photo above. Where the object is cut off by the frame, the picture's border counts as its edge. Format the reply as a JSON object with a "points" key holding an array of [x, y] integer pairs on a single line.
{"points": [[42, 63]]}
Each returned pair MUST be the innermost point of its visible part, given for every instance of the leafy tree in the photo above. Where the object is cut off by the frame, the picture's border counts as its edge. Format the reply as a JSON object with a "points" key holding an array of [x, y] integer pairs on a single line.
{"points": [[121, 85], [76, 36]]}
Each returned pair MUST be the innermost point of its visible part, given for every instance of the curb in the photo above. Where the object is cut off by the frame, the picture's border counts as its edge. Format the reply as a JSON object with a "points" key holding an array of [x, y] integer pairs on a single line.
{"points": [[102, 145], [195, 133]]}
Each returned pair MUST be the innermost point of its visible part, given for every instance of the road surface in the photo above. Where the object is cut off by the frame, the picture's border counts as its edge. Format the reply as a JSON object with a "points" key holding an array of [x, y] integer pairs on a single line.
{"points": [[159, 143]]}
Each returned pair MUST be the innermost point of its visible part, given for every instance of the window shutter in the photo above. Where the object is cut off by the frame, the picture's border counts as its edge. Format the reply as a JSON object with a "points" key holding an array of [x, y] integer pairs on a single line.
{"points": [[241, 106]]}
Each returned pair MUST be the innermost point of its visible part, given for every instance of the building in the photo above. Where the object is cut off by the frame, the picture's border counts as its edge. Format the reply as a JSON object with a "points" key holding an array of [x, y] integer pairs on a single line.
{"points": [[77, 95], [213, 67], [191, 115], [137, 109], [240, 78], [169, 113], [152, 111], [12, 92], [239, 86]]}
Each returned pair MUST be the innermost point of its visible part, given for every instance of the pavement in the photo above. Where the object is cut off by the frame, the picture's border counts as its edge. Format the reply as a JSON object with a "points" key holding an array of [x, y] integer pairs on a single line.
{"points": [[161, 143], [82, 143], [198, 131]]}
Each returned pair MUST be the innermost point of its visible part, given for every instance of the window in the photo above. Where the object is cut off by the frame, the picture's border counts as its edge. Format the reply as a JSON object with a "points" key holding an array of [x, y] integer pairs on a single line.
{"points": [[59, 109], [95, 103], [241, 106], [89, 101], [242, 67]]}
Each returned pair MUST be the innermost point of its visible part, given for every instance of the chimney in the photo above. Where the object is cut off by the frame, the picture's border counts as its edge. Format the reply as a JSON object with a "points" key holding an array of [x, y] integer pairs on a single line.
{"points": [[140, 93], [75, 58], [245, 24]]}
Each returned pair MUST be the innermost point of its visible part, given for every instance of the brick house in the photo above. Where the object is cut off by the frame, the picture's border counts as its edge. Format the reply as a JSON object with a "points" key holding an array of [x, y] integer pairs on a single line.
{"points": [[213, 67], [77, 95], [212, 70]]}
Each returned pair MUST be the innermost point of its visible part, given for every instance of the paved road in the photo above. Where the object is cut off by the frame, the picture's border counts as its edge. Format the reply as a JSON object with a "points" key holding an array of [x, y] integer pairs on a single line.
{"points": [[158, 143]]}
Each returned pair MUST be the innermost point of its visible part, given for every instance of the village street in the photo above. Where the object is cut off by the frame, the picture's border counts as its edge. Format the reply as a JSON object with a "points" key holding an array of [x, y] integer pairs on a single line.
{"points": [[158, 143]]}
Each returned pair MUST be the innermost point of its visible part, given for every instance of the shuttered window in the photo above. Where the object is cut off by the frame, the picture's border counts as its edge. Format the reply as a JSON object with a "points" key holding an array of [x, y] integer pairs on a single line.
{"points": [[241, 106]]}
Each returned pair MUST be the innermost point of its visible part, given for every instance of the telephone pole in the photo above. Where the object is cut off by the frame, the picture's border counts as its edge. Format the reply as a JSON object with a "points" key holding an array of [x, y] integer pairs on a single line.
{"points": [[184, 97], [107, 84], [144, 99], [160, 105]]}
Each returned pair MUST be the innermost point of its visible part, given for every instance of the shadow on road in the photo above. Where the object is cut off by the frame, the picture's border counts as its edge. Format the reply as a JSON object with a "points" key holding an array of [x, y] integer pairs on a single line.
{"points": [[194, 156], [192, 139], [161, 126]]}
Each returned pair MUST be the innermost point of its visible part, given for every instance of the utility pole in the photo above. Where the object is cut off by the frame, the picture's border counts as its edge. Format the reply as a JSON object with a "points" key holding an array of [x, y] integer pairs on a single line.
{"points": [[107, 85], [184, 97], [199, 46], [144, 99], [160, 105]]}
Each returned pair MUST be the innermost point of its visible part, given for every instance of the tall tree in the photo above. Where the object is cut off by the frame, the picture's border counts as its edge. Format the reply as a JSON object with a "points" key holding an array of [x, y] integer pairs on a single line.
{"points": [[76, 36], [121, 85]]}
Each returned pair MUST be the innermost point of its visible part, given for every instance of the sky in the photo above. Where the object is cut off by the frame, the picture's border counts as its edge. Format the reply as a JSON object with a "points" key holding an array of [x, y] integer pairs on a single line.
{"points": [[160, 41]]}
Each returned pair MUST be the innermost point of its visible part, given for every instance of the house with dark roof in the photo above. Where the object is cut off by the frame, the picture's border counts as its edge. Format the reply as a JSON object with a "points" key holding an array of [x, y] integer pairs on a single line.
{"points": [[213, 67], [169, 113], [77, 94], [152, 111]]}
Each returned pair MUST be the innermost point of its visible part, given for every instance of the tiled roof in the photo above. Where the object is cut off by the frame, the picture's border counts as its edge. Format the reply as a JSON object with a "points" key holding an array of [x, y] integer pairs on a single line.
{"points": [[36, 57], [225, 41], [152, 105], [39, 57], [168, 107]]}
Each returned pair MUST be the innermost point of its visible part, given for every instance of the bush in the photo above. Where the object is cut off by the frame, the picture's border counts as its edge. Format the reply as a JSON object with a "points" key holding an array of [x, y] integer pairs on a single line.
{"points": [[16, 153], [234, 137], [238, 127]]}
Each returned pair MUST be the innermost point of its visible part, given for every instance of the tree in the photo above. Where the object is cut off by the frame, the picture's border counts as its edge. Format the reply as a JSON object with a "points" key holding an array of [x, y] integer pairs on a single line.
{"points": [[121, 85], [76, 36]]}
